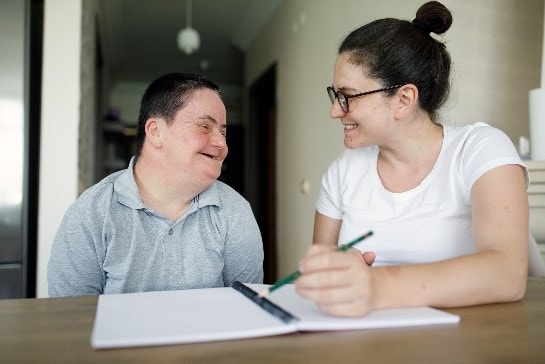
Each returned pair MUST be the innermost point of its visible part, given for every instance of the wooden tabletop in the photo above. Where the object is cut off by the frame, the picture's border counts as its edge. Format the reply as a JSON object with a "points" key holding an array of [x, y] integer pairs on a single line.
{"points": [[59, 330]]}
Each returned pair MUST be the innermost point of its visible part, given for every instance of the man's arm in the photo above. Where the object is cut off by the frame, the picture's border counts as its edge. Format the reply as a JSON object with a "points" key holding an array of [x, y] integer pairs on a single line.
{"points": [[74, 268], [243, 254]]}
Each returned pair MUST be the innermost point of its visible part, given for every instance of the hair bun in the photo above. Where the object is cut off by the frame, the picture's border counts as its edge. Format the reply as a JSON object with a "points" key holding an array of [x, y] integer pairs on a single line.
{"points": [[433, 17], [422, 26]]}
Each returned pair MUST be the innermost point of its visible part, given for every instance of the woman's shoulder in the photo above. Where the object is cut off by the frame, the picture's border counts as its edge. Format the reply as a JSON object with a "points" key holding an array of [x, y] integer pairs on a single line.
{"points": [[478, 148], [478, 129], [475, 137], [353, 162]]}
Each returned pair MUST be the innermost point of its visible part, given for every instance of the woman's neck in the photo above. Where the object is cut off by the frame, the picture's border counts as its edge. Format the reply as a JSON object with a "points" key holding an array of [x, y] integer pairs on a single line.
{"points": [[406, 164]]}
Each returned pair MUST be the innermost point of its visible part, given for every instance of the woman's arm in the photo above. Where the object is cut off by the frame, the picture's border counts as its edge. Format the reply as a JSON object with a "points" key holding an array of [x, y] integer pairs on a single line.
{"points": [[326, 230], [496, 272]]}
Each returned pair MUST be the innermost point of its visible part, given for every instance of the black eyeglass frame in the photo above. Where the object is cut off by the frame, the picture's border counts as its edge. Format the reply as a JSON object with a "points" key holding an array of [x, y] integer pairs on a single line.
{"points": [[334, 95]]}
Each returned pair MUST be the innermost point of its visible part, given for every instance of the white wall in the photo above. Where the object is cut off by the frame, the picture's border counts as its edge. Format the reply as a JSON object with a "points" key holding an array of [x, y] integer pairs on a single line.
{"points": [[496, 50], [60, 122]]}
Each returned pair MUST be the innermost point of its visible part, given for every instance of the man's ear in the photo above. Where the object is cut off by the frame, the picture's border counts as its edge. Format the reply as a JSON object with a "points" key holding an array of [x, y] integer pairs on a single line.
{"points": [[154, 131], [407, 97]]}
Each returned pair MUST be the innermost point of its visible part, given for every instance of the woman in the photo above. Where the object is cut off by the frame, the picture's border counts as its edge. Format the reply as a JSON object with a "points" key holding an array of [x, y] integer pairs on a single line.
{"points": [[447, 205]]}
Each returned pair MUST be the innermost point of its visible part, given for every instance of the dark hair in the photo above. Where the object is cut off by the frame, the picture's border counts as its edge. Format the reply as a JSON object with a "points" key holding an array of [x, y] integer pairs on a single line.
{"points": [[165, 96], [401, 52]]}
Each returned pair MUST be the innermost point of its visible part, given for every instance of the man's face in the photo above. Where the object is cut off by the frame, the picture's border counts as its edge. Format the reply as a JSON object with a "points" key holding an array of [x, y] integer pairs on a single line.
{"points": [[194, 142]]}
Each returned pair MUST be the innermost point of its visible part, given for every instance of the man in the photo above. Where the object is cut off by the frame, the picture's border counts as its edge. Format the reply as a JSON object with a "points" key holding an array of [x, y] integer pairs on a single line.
{"points": [[165, 223]]}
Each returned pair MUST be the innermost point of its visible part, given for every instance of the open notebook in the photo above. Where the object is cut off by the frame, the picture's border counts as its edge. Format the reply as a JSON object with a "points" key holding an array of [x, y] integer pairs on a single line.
{"points": [[213, 314]]}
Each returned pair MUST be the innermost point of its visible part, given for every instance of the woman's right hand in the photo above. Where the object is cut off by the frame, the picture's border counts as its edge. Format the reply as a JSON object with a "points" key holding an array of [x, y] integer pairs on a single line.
{"points": [[338, 281]]}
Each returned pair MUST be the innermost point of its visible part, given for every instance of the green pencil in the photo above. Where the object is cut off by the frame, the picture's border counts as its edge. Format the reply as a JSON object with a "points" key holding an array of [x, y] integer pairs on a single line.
{"points": [[290, 278]]}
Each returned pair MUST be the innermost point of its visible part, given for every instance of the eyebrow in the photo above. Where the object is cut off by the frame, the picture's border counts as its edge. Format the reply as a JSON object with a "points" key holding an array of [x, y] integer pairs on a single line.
{"points": [[346, 89], [209, 118]]}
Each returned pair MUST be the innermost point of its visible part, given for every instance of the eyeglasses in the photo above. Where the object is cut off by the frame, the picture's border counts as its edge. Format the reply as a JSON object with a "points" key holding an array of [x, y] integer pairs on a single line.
{"points": [[343, 99]]}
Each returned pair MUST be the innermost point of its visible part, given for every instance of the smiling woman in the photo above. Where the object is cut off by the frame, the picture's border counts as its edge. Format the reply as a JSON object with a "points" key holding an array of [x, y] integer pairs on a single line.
{"points": [[427, 189]]}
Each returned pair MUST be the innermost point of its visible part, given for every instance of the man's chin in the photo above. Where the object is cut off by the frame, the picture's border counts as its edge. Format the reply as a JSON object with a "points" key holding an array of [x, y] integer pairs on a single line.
{"points": [[214, 176], [210, 173]]}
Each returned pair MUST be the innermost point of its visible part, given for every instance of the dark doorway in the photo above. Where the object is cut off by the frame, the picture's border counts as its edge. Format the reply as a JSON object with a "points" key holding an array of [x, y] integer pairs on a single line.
{"points": [[262, 164], [232, 171]]}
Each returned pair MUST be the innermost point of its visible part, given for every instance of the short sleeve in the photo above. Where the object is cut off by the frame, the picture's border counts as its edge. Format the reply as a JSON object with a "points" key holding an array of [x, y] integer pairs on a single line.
{"points": [[329, 199], [486, 148]]}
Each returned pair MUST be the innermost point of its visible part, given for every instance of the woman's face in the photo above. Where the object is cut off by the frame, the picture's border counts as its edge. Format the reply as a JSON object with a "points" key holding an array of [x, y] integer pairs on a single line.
{"points": [[370, 117]]}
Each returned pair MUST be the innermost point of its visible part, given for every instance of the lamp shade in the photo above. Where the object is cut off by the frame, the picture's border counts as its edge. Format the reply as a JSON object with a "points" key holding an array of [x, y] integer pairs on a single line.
{"points": [[188, 40]]}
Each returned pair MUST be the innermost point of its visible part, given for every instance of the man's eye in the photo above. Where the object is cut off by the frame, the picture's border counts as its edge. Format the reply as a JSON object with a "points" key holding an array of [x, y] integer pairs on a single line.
{"points": [[206, 126]]}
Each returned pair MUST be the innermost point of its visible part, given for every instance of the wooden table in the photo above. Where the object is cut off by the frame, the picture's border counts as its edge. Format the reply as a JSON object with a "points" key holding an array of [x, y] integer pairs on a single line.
{"points": [[59, 329]]}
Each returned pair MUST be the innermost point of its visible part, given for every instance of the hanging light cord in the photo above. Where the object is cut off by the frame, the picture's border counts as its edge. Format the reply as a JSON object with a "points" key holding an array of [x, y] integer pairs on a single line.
{"points": [[188, 13]]}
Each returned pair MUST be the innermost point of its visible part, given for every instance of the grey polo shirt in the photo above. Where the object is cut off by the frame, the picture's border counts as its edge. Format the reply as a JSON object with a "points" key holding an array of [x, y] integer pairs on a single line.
{"points": [[109, 242]]}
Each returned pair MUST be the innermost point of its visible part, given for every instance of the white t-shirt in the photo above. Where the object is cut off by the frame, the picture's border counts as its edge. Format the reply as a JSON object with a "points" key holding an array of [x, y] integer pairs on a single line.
{"points": [[429, 223]]}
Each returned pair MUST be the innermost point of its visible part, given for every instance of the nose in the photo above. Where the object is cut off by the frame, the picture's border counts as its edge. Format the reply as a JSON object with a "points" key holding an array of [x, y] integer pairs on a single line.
{"points": [[218, 139], [336, 111]]}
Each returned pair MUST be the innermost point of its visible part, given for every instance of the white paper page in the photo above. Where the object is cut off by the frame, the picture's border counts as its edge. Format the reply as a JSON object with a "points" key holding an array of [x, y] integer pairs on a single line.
{"points": [[175, 317], [312, 319]]}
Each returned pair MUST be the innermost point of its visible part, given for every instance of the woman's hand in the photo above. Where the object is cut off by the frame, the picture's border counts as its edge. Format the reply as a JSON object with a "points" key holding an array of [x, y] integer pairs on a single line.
{"points": [[339, 282]]}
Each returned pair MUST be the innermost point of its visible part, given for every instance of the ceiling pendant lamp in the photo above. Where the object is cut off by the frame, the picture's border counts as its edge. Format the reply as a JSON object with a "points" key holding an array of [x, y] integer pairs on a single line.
{"points": [[188, 38]]}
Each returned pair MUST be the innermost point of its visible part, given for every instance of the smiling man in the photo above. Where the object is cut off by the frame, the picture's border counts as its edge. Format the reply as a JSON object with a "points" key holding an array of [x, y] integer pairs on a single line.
{"points": [[164, 223]]}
